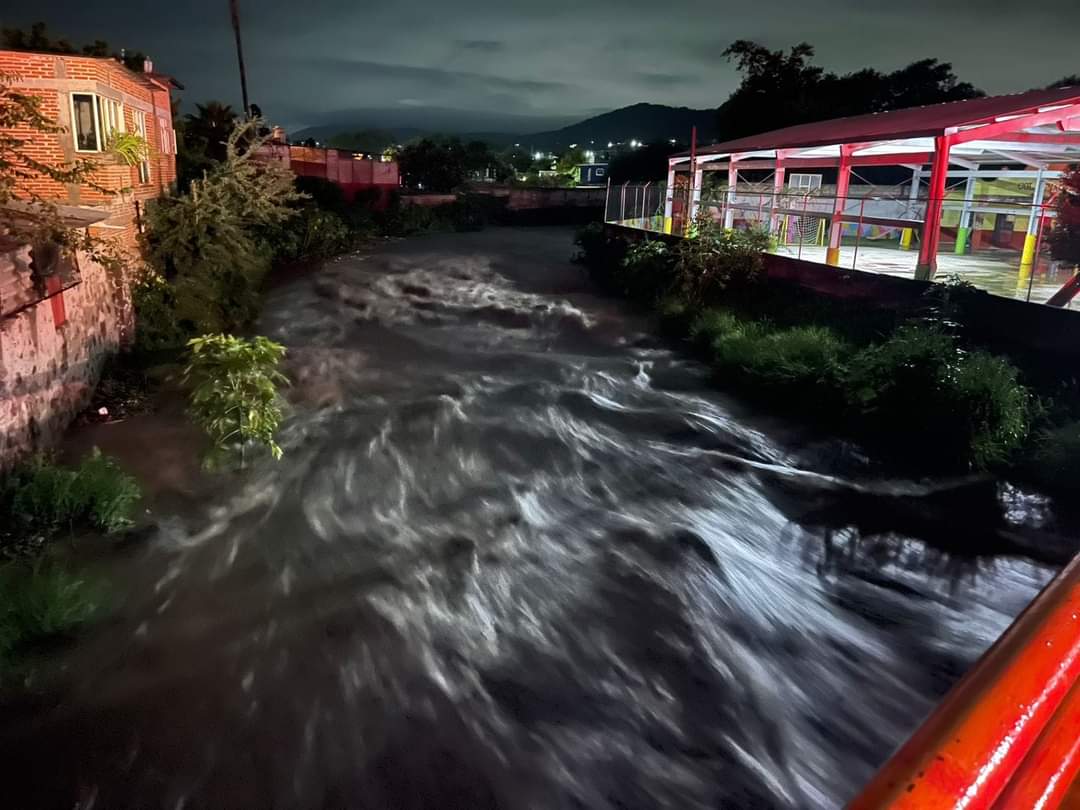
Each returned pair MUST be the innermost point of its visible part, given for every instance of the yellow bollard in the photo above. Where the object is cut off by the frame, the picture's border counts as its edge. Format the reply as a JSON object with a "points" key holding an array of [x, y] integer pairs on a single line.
{"points": [[1027, 257], [832, 256], [906, 236]]}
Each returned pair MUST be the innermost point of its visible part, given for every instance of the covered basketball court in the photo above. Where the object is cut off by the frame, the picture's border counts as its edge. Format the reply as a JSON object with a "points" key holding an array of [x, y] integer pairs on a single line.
{"points": [[984, 167]]}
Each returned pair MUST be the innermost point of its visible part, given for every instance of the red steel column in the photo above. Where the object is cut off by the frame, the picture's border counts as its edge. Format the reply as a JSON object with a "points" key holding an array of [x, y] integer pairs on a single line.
{"points": [[931, 230], [843, 182]]}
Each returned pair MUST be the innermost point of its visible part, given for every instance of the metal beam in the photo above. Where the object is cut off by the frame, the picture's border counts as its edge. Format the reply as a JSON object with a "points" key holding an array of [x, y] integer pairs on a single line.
{"points": [[1058, 116]]}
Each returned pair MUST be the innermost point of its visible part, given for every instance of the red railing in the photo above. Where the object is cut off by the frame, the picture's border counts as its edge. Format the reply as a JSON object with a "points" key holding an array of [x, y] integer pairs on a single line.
{"points": [[1007, 736]]}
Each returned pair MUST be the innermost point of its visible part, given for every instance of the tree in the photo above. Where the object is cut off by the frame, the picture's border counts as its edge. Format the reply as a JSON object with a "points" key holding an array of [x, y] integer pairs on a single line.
{"points": [[1065, 237], [783, 88], [206, 246], [649, 162], [1072, 80], [434, 164], [209, 127], [38, 39]]}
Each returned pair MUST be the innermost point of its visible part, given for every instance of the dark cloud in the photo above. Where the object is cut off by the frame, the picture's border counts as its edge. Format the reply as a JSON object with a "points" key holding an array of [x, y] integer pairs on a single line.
{"points": [[523, 60], [655, 80], [482, 45], [434, 77]]}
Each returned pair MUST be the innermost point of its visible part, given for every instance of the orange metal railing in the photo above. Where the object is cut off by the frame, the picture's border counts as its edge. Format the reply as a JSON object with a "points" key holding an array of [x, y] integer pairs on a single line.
{"points": [[1007, 736]]}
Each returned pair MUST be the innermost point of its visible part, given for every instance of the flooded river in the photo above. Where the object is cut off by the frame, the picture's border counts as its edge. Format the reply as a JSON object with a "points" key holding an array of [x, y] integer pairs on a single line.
{"points": [[518, 554]]}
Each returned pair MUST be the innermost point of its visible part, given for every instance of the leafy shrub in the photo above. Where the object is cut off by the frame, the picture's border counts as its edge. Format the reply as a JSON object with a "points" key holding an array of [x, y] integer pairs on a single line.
{"points": [[130, 147], [156, 327], [41, 602], [919, 392], [314, 234], [646, 270], [234, 392], [715, 258], [805, 357], [208, 245], [1054, 462], [41, 496], [324, 194], [602, 253]]}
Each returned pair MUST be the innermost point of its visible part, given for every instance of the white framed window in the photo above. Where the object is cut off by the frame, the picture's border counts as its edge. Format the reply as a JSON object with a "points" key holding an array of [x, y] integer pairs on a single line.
{"points": [[112, 117], [804, 182], [85, 122], [167, 136], [140, 130]]}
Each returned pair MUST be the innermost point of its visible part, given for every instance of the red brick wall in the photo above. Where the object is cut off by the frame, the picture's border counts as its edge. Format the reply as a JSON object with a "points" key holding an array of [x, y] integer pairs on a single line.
{"points": [[48, 369], [53, 78]]}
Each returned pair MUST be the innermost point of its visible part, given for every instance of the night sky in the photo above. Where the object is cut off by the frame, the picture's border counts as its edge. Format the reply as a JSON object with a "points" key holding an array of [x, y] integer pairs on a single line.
{"points": [[525, 65]]}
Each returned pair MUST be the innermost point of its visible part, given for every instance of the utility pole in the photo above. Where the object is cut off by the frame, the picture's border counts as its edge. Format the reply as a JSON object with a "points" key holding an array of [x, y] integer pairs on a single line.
{"points": [[235, 11]]}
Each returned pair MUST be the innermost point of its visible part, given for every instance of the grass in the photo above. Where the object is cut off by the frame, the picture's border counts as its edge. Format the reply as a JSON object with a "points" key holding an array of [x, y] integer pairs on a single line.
{"points": [[899, 381], [41, 602], [44, 497]]}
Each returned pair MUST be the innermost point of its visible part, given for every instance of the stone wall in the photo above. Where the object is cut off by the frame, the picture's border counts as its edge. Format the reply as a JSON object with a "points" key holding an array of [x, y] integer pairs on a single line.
{"points": [[51, 355]]}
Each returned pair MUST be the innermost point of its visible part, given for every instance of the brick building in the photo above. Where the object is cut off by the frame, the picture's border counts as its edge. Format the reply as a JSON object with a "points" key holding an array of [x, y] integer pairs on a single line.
{"points": [[59, 322]]}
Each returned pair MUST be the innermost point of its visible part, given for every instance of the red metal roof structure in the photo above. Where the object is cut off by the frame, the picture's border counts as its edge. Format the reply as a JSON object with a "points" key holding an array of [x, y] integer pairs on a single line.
{"points": [[1037, 129], [915, 122]]}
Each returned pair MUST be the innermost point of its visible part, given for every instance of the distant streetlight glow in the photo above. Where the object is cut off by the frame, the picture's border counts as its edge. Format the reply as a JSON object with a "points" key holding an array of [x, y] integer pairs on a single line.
{"points": [[538, 156]]}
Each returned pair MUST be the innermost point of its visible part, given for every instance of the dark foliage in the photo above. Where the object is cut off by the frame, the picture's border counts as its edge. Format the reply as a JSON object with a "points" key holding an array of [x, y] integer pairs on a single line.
{"points": [[783, 88], [649, 162], [1065, 237], [444, 164]]}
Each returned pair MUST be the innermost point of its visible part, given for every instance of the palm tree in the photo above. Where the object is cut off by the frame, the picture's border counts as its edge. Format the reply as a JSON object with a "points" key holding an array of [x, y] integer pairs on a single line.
{"points": [[208, 128]]}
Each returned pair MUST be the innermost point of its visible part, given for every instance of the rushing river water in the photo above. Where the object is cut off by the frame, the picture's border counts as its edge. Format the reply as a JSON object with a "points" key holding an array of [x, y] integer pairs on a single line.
{"points": [[518, 554]]}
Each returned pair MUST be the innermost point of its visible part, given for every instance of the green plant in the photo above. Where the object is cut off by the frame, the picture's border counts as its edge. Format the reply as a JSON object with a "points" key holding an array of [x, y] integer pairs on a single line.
{"points": [[41, 496], [210, 245], [713, 258], [234, 392], [40, 602], [1054, 460], [919, 392], [130, 147], [314, 234], [646, 270]]}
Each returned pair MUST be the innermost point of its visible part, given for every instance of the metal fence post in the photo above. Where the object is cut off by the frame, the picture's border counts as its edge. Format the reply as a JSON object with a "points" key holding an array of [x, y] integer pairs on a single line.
{"points": [[1038, 247], [858, 232], [805, 203]]}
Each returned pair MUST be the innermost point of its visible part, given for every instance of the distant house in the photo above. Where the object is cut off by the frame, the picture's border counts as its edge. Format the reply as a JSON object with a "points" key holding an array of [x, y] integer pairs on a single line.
{"points": [[60, 315], [592, 174]]}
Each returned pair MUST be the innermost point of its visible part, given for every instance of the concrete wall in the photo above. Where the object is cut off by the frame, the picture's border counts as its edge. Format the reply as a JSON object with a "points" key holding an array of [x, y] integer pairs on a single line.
{"points": [[48, 369]]}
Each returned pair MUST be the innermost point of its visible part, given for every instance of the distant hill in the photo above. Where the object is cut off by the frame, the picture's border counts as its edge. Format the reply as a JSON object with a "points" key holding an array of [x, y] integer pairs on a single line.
{"points": [[643, 122]]}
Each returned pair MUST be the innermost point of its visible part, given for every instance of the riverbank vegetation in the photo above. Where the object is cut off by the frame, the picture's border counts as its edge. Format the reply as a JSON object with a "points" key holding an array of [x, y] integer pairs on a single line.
{"points": [[234, 386], [42, 600], [905, 384]]}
